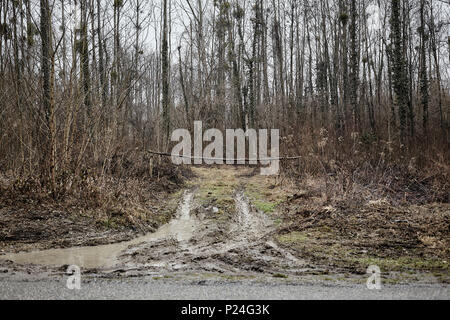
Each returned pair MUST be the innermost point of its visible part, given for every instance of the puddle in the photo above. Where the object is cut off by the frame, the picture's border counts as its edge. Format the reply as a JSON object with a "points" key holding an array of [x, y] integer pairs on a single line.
{"points": [[106, 256]]}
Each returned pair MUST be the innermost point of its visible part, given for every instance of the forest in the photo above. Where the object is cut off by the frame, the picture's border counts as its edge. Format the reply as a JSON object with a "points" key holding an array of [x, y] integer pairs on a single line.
{"points": [[91, 92], [93, 85]]}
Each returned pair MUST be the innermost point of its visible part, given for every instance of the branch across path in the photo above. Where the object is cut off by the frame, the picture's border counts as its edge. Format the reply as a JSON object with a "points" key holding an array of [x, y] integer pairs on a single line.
{"points": [[166, 154]]}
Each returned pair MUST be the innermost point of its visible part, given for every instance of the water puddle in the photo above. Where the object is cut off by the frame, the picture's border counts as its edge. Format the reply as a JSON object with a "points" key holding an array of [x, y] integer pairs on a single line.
{"points": [[106, 256]]}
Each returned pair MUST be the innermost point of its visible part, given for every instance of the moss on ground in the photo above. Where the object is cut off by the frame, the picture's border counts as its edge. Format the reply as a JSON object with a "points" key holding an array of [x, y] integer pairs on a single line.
{"points": [[322, 245], [216, 189], [264, 194]]}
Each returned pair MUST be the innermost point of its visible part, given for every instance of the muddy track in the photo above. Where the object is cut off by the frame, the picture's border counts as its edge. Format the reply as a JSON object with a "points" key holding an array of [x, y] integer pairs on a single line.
{"points": [[232, 223], [197, 240], [239, 244]]}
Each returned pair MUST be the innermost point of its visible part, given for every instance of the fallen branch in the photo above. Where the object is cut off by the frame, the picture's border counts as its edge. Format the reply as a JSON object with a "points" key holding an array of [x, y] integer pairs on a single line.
{"points": [[166, 154]]}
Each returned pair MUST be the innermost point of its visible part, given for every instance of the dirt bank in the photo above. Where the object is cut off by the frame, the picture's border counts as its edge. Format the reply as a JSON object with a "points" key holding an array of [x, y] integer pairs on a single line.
{"points": [[106, 211]]}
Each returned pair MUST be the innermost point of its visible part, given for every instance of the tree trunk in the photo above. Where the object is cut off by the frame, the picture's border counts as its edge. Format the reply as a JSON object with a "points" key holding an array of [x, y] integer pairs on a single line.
{"points": [[47, 71], [165, 75]]}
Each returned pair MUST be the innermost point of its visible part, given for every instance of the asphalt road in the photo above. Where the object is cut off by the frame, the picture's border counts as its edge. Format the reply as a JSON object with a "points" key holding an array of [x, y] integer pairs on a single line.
{"points": [[150, 289]]}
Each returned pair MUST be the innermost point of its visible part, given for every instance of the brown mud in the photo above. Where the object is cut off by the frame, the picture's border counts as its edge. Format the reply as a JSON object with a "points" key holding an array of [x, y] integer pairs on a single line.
{"points": [[234, 222], [241, 244], [121, 212]]}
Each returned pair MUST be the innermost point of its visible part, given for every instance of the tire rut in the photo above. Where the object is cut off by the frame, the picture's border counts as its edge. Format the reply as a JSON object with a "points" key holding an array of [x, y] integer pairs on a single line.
{"points": [[241, 244]]}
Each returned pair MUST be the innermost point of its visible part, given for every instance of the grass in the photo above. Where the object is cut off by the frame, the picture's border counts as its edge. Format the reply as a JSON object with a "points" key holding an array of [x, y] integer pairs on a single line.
{"points": [[266, 207], [402, 263], [216, 188], [293, 238], [321, 244], [264, 194]]}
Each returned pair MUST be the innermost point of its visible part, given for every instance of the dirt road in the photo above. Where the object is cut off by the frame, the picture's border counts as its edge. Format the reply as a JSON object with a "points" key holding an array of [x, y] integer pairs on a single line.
{"points": [[226, 231], [216, 229]]}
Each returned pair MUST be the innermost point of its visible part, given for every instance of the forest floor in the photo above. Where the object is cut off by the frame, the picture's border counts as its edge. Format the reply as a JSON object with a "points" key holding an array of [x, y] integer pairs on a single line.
{"points": [[105, 212], [232, 224]]}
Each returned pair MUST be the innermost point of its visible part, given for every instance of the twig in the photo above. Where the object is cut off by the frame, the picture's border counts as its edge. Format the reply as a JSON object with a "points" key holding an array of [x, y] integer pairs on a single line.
{"points": [[165, 154]]}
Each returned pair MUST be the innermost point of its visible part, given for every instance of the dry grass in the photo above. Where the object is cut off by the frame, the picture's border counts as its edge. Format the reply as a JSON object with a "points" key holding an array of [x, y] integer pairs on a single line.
{"points": [[120, 197], [368, 167]]}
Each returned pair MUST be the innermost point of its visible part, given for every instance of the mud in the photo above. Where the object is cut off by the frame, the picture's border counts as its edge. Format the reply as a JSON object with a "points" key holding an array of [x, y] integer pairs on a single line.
{"points": [[233, 223], [349, 236], [239, 244], [28, 229], [106, 256], [99, 210], [235, 239]]}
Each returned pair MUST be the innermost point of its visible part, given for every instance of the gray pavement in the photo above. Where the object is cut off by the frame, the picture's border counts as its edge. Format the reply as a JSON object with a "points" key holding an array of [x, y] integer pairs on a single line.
{"points": [[149, 289]]}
